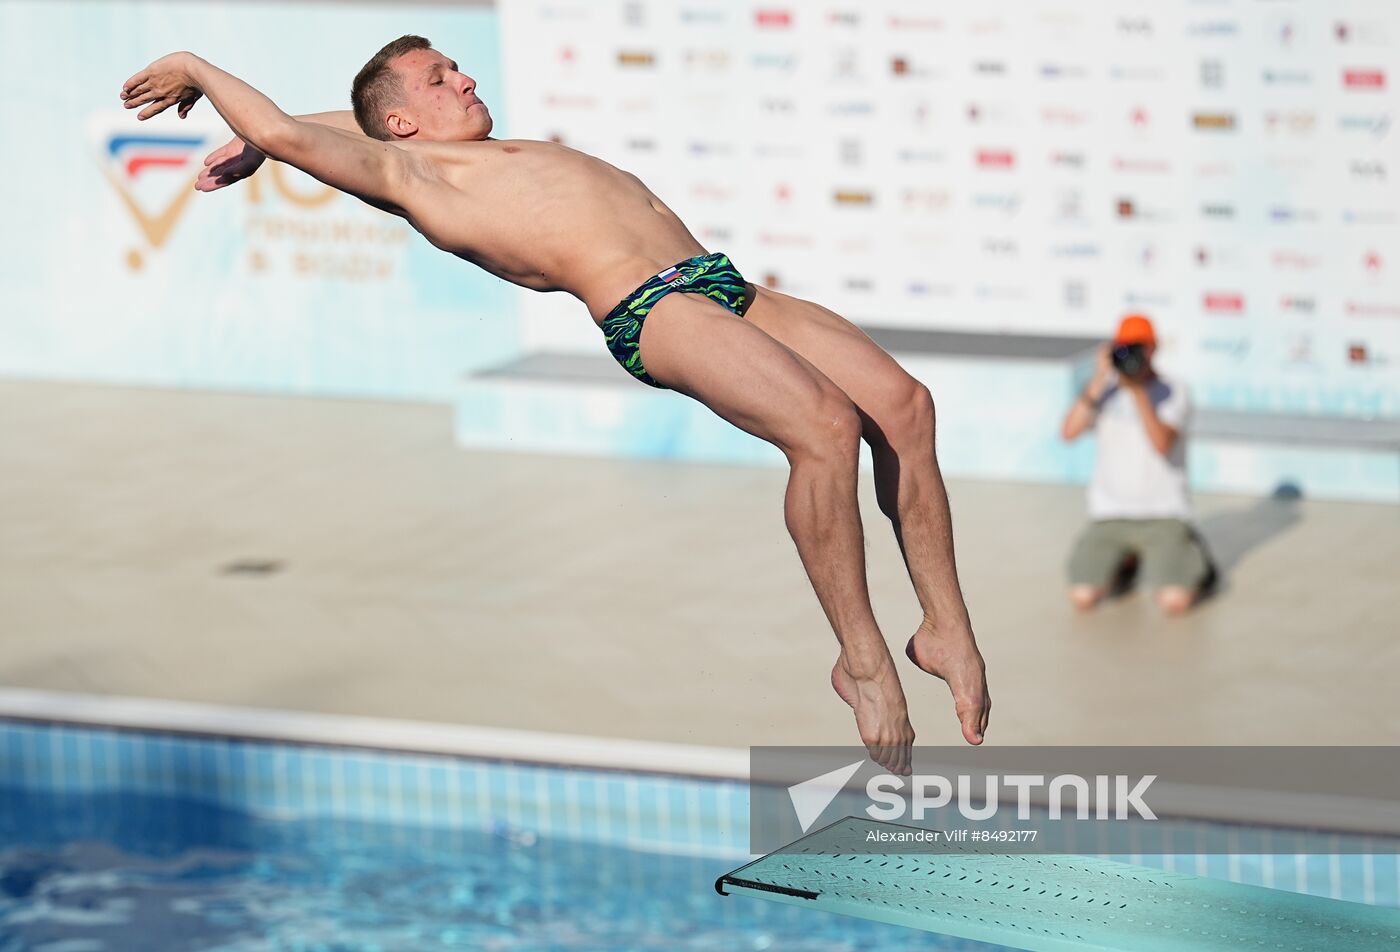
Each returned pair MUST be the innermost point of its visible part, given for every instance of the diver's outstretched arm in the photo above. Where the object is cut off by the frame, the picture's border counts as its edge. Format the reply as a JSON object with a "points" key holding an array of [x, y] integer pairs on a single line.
{"points": [[236, 160], [352, 162]]}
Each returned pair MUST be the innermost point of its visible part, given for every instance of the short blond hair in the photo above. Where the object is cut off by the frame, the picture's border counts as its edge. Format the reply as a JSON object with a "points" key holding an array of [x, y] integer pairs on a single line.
{"points": [[377, 88]]}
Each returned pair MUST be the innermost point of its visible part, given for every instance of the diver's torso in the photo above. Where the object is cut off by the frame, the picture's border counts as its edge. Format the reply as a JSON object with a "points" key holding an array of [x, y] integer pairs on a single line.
{"points": [[547, 217]]}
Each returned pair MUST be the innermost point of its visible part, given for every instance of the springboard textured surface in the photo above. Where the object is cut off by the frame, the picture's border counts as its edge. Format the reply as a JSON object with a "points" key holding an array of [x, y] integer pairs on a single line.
{"points": [[1050, 903]]}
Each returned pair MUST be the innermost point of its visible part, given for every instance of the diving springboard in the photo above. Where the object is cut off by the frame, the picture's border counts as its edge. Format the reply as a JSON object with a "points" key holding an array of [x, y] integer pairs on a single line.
{"points": [[1050, 903]]}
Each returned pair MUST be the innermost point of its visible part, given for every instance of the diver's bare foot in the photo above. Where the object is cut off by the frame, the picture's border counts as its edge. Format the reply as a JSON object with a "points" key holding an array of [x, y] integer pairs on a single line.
{"points": [[881, 715], [843, 683], [953, 656]]}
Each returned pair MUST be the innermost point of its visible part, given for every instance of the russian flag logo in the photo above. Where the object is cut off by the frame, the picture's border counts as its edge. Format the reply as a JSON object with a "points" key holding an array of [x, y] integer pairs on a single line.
{"points": [[133, 154], [151, 172], [672, 275]]}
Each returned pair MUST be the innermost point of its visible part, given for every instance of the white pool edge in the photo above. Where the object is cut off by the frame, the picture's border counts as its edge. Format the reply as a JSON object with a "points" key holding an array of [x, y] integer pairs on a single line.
{"points": [[1180, 801], [345, 730]]}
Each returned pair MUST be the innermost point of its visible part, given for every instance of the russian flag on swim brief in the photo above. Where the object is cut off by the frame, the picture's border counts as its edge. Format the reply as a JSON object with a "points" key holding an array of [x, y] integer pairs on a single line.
{"points": [[672, 276]]}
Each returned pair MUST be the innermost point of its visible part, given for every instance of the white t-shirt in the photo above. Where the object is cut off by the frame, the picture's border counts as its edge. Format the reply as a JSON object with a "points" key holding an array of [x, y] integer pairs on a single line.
{"points": [[1131, 479]]}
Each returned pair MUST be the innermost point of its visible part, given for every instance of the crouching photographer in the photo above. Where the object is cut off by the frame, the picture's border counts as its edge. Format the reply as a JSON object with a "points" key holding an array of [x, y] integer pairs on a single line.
{"points": [[1139, 505]]}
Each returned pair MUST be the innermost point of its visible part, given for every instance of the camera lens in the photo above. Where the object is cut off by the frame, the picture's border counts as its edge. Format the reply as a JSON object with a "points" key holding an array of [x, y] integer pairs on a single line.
{"points": [[1129, 359]]}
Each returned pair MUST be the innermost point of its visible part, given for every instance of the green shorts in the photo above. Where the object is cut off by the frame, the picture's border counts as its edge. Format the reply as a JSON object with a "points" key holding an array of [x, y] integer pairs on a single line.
{"points": [[1169, 553], [711, 275]]}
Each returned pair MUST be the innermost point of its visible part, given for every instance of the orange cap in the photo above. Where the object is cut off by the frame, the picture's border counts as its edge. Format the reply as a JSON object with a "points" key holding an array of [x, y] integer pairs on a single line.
{"points": [[1135, 329]]}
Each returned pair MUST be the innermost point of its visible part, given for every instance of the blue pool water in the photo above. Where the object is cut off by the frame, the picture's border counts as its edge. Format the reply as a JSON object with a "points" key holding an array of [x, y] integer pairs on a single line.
{"points": [[129, 840], [123, 840], [88, 873]]}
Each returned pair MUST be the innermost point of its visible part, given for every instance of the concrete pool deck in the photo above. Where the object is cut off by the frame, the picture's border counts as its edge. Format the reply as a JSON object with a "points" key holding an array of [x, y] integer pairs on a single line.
{"points": [[644, 600]]}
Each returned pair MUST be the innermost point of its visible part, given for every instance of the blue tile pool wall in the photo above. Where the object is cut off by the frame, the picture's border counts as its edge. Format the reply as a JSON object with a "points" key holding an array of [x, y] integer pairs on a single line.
{"points": [[657, 813], [289, 781]]}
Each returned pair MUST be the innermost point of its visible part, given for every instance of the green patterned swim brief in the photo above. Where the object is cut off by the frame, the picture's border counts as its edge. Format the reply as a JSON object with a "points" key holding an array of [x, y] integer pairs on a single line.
{"points": [[711, 275]]}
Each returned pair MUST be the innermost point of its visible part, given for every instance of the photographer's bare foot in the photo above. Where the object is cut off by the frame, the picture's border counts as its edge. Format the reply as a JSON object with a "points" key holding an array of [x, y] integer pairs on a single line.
{"points": [[953, 656], [882, 717]]}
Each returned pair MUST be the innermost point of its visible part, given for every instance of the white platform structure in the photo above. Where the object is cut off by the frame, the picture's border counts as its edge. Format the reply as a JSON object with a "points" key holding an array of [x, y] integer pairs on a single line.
{"points": [[583, 403]]}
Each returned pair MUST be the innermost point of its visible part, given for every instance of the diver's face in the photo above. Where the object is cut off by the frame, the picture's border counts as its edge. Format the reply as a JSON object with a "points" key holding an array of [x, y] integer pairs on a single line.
{"points": [[440, 101]]}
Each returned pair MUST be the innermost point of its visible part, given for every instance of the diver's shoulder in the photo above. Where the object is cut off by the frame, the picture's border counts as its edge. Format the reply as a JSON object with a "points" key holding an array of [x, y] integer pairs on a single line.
{"points": [[466, 149]]}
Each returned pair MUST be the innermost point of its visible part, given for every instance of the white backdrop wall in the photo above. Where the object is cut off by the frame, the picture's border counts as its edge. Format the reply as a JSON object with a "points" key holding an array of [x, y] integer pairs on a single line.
{"points": [[1227, 166], [115, 270]]}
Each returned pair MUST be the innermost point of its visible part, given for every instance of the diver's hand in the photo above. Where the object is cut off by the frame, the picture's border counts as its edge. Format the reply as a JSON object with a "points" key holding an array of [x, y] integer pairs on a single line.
{"points": [[164, 83], [229, 163]]}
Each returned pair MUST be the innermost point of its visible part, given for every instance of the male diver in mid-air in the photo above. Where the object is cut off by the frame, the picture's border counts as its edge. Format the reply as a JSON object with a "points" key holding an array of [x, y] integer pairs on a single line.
{"points": [[788, 371]]}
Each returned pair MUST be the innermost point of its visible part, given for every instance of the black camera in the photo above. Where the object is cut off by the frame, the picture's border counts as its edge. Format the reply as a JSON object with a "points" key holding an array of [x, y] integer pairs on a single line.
{"points": [[1130, 360]]}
